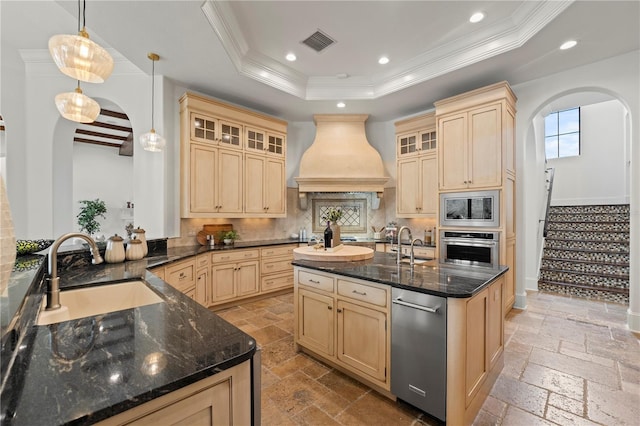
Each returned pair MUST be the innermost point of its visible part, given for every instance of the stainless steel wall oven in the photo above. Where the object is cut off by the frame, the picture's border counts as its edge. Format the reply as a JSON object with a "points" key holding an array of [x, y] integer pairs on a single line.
{"points": [[470, 248]]}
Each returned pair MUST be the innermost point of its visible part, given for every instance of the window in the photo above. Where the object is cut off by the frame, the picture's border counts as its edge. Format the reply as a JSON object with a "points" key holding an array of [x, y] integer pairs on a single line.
{"points": [[562, 133]]}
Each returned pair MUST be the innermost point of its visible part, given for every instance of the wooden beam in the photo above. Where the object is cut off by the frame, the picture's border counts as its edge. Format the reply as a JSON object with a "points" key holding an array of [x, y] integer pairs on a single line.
{"points": [[115, 114], [91, 141], [101, 135], [111, 126]]}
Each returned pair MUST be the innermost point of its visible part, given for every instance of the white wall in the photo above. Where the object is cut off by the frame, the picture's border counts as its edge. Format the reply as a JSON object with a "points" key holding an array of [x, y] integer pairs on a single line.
{"points": [[100, 170], [616, 77], [598, 175]]}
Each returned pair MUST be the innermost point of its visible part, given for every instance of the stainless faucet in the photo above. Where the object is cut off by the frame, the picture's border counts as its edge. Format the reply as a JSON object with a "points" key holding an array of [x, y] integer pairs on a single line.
{"points": [[415, 240], [399, 242], [53, 282]]}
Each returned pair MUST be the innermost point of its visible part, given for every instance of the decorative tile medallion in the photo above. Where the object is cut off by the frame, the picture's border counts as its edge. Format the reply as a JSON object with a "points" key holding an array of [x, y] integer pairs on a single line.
{"points": [[354, 214]]}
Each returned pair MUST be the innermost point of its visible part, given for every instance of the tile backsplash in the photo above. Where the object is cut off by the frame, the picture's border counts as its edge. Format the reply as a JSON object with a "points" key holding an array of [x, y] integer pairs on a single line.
{"points": [[266, 229]]}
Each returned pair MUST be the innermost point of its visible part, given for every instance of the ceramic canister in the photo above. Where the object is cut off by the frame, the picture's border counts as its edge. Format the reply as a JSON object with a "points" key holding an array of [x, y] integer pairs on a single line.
{"points": [[134, 250], [115, 250], [139, 234]]}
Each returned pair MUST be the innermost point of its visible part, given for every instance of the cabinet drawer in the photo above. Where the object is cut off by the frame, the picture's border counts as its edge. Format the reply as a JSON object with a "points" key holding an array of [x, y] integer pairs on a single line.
{"points": [[277, 251], [318, 281], [365, 293], [424, 252], [234, 256], [202, 261], [158, 271], [181, 275], [279, 264], [277, 281]]}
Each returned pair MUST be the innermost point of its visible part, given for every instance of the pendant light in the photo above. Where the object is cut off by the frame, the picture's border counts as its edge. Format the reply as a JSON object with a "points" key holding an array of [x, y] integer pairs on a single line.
{"points": [[151, 141], [76, 106], [79, 57]]}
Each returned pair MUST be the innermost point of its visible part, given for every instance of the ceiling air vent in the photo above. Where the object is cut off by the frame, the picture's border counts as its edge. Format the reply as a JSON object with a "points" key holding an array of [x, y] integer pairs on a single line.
{"points": [[318, 41]]}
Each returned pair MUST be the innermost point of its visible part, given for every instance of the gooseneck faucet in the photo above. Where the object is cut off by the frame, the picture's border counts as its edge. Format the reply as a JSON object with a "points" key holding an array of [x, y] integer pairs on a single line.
{"points": [[53, 282], [413, 259], [400, 242]]}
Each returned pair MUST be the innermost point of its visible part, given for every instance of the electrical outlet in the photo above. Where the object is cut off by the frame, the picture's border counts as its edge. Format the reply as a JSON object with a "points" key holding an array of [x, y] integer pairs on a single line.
{"points": [[191, 232]]}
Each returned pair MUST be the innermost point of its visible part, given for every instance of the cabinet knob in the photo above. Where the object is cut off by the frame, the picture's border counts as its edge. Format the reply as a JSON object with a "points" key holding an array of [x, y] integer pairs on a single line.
{"points": [[339, 310], [330, 307]]}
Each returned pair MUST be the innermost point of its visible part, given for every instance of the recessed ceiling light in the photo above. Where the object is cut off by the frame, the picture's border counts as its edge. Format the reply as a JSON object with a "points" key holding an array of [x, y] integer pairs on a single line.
{"points": [[568, 44], [291, 57], [341, 105], [383, 60], [476, 17]]}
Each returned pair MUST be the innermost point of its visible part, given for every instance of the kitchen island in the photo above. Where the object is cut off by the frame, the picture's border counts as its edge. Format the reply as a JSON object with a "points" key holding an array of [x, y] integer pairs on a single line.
{"points": [[344, 315]]}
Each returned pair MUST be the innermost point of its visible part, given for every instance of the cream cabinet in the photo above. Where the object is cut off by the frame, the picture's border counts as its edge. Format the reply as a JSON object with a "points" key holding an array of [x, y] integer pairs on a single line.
{"points": [[216, 131], [181, 275], [417, 191], [269, 143], [475, 347], [232, 161], [417, 167], [264, 192], [470, 149], [344, 321], [276, 271], [476, 151], [222, 399], [235, 274], [216, 180]]}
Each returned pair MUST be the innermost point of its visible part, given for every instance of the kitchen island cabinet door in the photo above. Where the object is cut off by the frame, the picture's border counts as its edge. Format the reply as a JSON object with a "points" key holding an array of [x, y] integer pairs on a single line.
{"points": [[316, 322], [476, 344], [495, 335], [362, 339]]}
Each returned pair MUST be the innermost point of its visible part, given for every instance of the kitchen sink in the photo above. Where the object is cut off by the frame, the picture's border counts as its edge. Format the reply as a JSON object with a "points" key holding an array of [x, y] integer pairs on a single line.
{"points": [[101, 299]]}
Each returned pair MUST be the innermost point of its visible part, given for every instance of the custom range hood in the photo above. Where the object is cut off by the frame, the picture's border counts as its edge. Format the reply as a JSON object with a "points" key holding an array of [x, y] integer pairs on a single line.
{"points": [[340, 158]]}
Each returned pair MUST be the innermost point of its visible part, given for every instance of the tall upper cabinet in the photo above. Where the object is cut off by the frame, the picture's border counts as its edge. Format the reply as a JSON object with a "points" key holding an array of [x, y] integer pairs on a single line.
{"points": [[417, 166], [232, 161], [476, 151]]}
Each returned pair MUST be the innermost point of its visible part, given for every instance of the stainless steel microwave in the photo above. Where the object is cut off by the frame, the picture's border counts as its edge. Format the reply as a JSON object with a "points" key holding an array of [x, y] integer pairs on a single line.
{"points": [[470, 209]]}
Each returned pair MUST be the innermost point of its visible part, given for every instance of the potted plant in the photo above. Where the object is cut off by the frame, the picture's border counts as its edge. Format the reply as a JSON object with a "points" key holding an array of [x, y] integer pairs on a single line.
{"points": [[89, 211], [230, 236]]}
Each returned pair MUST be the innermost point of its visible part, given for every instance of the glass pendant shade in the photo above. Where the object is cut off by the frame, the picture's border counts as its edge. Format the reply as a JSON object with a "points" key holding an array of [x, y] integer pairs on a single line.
{"points": [[76, 106], [80, 58], [153, 142]]}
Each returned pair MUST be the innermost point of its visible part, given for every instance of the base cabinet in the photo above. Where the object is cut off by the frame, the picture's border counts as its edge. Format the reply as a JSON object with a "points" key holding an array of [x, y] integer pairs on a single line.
{"points": [[223, 399], [345, 323]]}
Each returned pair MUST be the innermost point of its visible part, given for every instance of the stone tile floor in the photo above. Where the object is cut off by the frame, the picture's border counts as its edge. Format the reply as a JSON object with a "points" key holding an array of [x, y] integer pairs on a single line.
{"points": [[568, 361]]}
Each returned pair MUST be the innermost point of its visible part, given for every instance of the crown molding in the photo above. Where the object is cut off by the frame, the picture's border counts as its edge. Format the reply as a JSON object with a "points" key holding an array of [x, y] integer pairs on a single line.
{"points": [[510, 33]]}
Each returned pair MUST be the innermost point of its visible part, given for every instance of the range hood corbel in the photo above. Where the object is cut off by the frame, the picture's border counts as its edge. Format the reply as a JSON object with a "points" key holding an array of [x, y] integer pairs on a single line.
{"points": [[340, 159]]}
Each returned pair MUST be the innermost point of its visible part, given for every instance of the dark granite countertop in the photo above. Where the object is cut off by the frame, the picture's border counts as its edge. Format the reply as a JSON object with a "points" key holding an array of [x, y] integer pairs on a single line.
{"points": [[430, 277], [86, 370]]}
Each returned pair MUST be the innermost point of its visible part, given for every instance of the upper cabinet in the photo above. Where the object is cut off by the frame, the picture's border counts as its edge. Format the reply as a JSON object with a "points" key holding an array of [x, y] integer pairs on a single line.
{"points": [[475, 138], [232, 161], [417, 166]]}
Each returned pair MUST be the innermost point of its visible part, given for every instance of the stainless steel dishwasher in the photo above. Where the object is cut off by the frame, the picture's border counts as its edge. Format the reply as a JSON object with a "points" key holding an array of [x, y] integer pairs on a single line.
{"points": [[419, 350]]}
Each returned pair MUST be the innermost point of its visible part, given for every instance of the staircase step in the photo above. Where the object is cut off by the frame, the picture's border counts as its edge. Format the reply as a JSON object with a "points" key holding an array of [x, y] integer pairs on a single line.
{"points": [[603, 281], [568, 244], [589, 226], [615, 295], [586, 267], [620, 237], [611, 208], [584, 255], [589, 217]]}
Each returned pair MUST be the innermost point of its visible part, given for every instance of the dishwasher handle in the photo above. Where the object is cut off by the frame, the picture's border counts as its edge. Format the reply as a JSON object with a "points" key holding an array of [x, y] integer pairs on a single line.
{"points": [[399, 301]]}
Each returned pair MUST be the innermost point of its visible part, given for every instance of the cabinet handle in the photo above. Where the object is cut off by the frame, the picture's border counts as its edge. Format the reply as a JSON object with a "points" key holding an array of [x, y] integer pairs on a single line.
{"points": [[329, 307], [182, 276], [339, 311], [224, 257], [361, 293], [312, 281]]}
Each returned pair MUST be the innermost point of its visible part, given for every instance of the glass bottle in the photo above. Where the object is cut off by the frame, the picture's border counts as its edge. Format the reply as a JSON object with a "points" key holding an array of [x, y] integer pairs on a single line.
{"points": [[328, 236]]}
